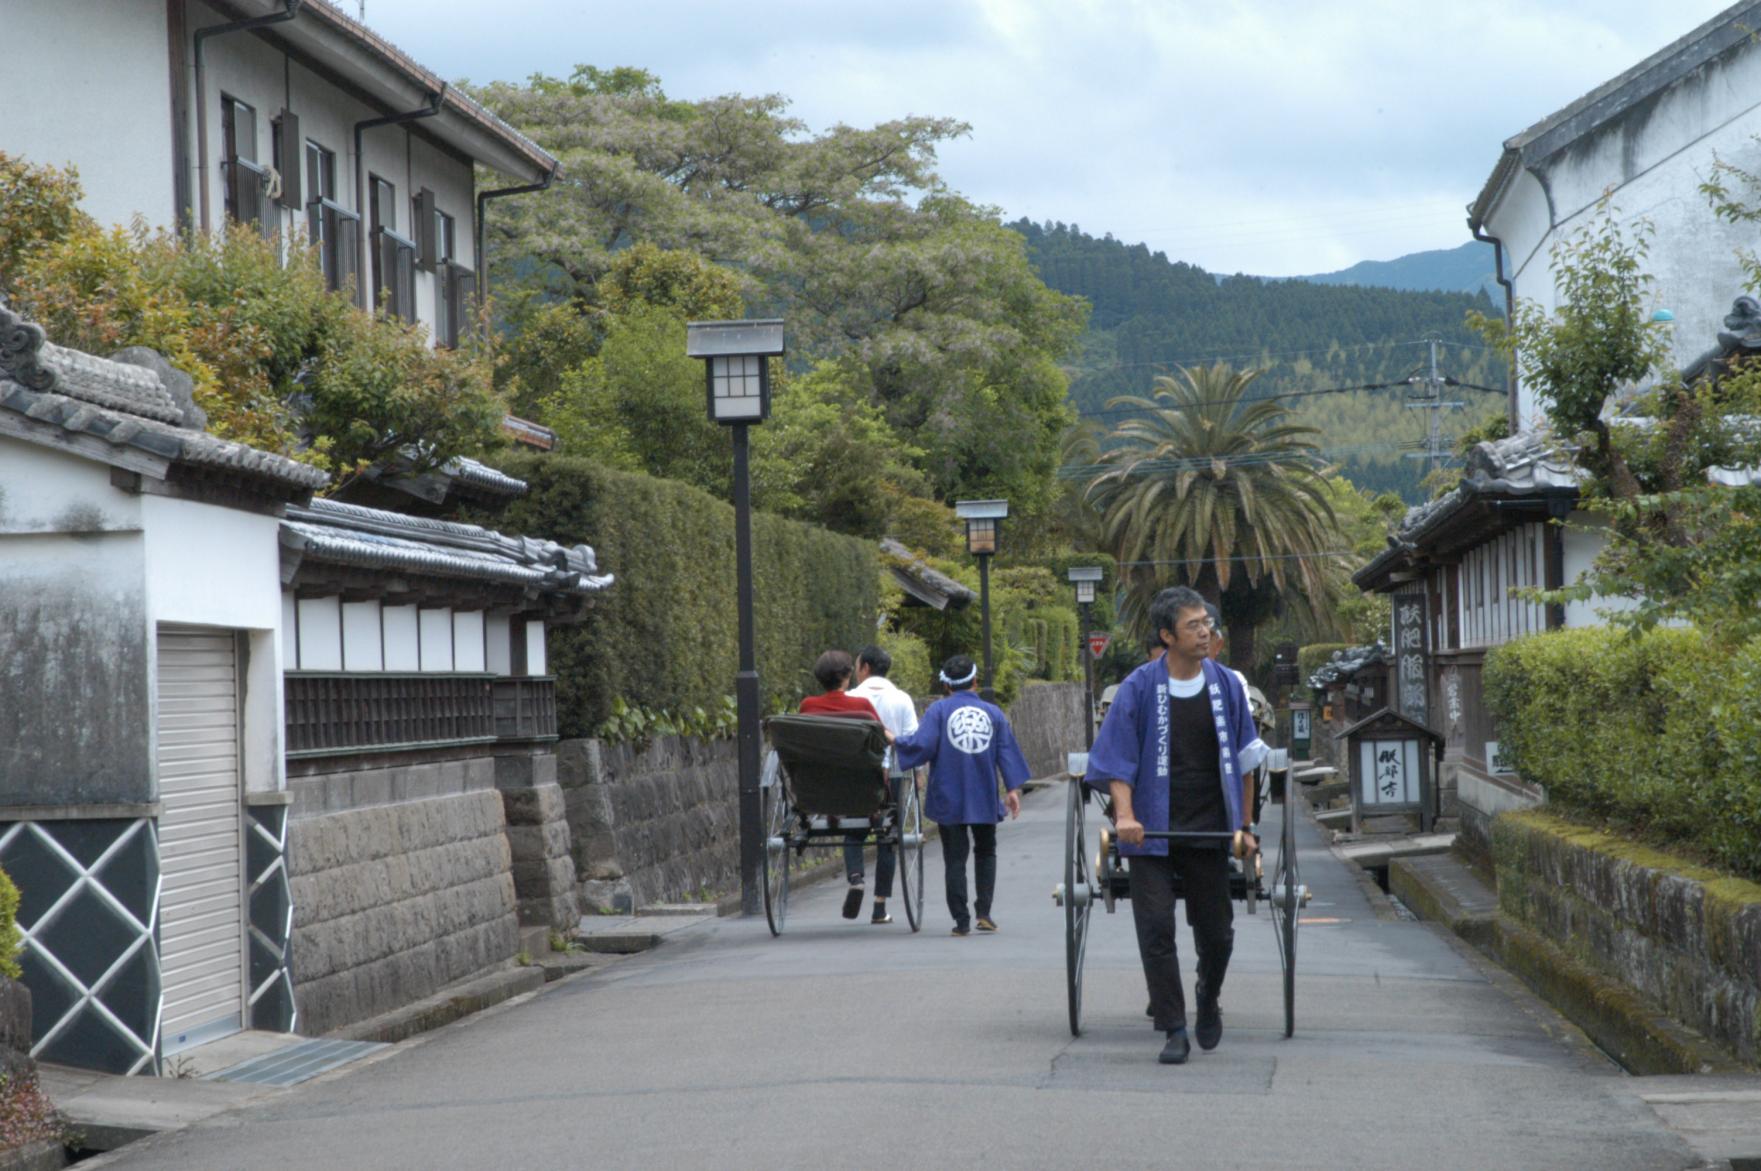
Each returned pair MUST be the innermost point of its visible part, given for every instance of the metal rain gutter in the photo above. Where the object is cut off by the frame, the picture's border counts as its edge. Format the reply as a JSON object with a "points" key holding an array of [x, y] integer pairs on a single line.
{"points": [[483, 198]]}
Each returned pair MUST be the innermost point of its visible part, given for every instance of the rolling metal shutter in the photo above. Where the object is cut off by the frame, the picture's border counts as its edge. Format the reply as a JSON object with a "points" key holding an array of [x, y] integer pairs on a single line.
{"points": [[201, 913]]}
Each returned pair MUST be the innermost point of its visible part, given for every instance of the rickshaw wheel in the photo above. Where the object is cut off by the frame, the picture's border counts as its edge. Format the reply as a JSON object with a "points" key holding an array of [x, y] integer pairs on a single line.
{"points": [[776, 857], [1077, 909], [1287, 907], [911, 856]]}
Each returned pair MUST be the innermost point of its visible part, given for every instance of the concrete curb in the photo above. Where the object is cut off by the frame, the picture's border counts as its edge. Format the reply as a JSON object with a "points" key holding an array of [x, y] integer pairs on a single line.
{"points": [[43, 1155], [445, 1006]]}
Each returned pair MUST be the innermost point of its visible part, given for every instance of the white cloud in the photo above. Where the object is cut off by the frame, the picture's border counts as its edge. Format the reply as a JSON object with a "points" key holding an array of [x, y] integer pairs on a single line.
{"points": [[1268, 136]]}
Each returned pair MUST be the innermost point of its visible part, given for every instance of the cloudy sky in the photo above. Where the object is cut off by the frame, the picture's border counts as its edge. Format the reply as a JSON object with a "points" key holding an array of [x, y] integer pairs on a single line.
{"points": [[1266, 136]]}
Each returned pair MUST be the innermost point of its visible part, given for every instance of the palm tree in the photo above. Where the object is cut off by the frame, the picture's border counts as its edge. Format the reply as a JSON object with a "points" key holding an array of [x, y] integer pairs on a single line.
{"points": [[1206, 488]]}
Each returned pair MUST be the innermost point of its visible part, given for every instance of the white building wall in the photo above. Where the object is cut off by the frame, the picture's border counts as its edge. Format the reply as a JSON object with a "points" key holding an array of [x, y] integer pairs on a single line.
{"points": [[497, 644], [467, 641], [213, 566], [363, 644], [435, 627], [100, 100], [403, 640], [320, 634], [1655, 160]]}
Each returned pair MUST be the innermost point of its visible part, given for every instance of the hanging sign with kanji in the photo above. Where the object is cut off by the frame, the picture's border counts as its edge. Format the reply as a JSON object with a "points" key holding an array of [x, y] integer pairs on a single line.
{"points": [[1097, 643]]}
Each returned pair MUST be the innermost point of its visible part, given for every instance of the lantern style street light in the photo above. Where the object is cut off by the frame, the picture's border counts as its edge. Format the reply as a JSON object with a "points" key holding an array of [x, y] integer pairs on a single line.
{"points": [[983, 518], [1085, 578], [737, 377]]}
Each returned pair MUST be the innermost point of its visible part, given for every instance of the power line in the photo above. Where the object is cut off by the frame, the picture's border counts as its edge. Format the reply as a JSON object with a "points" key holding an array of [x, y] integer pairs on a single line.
{"points": [[1315, 554], [1098, 412], [1212, 359], [1202, 462]]}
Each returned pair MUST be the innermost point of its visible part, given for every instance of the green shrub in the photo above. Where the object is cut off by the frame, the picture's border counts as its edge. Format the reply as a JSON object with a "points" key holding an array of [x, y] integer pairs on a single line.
{"points": [[665, 637], [912, 672], [1658, 735], [10, 940]]}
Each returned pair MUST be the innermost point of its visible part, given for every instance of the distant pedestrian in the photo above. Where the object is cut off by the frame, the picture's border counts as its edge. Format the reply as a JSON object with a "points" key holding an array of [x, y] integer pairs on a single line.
{"points": [[967, 743], [1174, 753], [899, 713], [832, 670]]}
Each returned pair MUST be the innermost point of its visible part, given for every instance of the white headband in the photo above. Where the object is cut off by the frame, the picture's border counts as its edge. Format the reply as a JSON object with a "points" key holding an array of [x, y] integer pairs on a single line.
{"points": [[970, 676]]}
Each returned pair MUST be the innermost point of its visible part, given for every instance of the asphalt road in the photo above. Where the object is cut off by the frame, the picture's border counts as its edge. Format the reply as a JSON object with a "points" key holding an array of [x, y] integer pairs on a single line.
{"points": [[845, 1045]]}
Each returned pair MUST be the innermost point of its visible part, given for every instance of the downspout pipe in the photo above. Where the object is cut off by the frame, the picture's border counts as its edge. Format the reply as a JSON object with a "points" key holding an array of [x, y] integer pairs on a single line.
{"points": [[1509, 317], [435, 101], [483, 198], [290, 9]]}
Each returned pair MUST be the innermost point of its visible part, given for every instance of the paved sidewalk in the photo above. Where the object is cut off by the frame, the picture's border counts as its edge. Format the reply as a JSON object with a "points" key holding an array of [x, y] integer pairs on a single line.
{"points": [[844, 1045]]}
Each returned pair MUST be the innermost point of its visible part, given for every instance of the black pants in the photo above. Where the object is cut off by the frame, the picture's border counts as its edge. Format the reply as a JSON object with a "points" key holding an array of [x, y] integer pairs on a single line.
{"points": [[884, 861], [1203, 872], [955, 846]]}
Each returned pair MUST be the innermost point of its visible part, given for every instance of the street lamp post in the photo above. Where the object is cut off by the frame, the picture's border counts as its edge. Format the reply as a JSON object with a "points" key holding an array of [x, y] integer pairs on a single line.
{"points": [[983, 518], [737, 376], [1085, 578]]}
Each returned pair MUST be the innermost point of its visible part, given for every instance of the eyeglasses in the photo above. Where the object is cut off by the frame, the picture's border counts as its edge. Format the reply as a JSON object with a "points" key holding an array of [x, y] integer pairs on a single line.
{"points": [[1197, 626]]}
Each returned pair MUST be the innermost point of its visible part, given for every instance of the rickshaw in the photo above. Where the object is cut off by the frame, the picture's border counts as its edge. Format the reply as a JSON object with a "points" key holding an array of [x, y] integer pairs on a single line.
{"points": [[1101, 879], [824, 777]]}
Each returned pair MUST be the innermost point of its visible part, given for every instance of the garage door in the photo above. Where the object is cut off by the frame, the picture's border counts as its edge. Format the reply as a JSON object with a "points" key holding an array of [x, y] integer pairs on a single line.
{"points": [[201, 910]]}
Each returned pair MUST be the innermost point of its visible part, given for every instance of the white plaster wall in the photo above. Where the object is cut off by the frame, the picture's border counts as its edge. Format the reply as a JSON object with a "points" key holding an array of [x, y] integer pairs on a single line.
{"points": [[435, 628], [362, 640], [403, 639], [290, 627], [535, 661], [1655, 162], [499, 646], [88, 82], [45, 491], [212, 566], [320, 634], [467, 640]]}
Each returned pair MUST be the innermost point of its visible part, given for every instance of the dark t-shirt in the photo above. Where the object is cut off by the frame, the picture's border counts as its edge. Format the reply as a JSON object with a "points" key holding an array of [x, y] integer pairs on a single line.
{"points": [[1195, 781]]}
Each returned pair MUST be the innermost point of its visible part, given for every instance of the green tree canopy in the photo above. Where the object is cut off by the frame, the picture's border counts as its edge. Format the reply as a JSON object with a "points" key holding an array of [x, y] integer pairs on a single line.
{"points": [[1205, 488]]}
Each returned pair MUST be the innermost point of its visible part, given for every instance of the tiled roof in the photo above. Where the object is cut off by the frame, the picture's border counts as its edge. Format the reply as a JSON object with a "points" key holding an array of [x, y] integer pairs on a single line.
{"points": [[369, 538], [125, 407], [1347, 663], [929, 586]]}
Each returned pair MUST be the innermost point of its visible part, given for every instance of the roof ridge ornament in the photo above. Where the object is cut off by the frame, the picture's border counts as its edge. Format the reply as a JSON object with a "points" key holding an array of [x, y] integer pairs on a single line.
{"points": [[21, 342]]}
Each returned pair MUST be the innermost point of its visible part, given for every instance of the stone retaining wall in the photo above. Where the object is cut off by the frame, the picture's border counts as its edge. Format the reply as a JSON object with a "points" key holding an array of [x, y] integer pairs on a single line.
{"points": [[1048, 723], [656, 824], [1685, 939], [402, 883]]}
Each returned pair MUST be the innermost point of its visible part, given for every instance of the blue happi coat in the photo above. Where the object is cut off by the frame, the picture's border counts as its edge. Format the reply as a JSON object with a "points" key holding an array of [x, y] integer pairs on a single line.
{"points": [[966, 742], [1132, 745]]}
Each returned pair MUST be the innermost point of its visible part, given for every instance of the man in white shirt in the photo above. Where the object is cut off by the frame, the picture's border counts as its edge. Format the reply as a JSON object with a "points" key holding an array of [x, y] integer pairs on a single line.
{"points": [[899, 714]]}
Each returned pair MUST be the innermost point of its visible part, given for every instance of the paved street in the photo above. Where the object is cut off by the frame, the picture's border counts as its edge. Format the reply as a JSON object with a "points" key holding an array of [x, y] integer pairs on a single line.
{"points": [[841, 1045]]}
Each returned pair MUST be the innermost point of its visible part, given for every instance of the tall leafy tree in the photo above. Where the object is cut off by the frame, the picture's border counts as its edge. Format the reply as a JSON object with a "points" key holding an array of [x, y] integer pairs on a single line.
{"points": [[926, 303], [1205, 488]]}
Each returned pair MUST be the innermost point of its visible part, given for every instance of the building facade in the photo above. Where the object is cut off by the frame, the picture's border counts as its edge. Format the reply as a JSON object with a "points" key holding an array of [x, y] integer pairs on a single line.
{"points": [[287, 115]]}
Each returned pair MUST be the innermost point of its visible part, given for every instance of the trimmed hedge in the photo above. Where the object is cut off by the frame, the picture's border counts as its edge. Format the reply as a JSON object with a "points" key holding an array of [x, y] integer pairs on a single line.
{"points": [[11, 942], [1658, 735], [666, 635]]}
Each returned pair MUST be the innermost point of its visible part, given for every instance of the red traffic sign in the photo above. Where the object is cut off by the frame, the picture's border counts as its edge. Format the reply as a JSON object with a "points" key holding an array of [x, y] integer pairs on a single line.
{"points": [[1097, 643]]}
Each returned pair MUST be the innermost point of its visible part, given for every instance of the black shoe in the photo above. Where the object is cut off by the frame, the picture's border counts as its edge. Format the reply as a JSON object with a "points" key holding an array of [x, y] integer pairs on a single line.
{"points": [[880, 916], [853, 901], [987, 924], [961, 930], [1149, 1010], [1209, 1027], [1176, 1050]]}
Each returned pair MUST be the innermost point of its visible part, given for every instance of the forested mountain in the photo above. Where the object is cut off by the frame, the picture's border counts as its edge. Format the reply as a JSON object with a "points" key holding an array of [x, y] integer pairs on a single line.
{"points": [[1151, 314], [1466, 269]]}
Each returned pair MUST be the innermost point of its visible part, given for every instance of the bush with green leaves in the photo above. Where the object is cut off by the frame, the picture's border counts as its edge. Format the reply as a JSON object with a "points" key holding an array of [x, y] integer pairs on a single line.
{"points": [[10, 939], [278, 360], [1657, 734], [664, 637]]}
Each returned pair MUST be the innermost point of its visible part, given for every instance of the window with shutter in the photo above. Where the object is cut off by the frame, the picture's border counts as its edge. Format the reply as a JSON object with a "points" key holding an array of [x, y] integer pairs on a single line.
{"points": [[244, 180], [290, 160]]}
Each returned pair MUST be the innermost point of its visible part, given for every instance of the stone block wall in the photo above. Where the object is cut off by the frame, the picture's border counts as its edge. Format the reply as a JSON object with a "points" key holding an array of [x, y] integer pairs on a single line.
{"points": [[538, 840], [1685, 939], [655, 824], [402, 883], [1048, 723]]}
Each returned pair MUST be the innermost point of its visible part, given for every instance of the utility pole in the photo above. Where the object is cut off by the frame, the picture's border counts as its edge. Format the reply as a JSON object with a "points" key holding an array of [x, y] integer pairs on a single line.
{"points": [[1431, 399]]}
